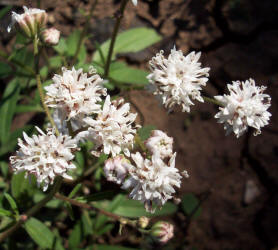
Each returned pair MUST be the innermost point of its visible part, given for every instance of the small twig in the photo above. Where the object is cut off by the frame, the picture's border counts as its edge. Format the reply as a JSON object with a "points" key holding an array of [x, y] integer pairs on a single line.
{"points": [[87, 206], [212, 100], [119, 17]]}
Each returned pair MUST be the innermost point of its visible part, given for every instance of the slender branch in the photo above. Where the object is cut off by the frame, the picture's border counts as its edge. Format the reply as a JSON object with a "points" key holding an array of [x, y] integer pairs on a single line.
{"points": [[84, 32], [32, 210], [87, 206], [39, 85], [119, 17]]}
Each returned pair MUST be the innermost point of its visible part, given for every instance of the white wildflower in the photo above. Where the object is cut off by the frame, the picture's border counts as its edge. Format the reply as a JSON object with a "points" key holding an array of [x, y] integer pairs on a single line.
{"points": [[134, 2], [115, 169], [112, 130], [178, 79], [160, 143], [45, 156], [31, 22], [75, 93], [152, 180], [246, 105], [51, 36]]}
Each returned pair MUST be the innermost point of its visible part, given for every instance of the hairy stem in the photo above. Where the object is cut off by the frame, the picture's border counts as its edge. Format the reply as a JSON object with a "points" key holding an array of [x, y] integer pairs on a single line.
{"points": [[119, 17], [32, 210], [39, 86]]}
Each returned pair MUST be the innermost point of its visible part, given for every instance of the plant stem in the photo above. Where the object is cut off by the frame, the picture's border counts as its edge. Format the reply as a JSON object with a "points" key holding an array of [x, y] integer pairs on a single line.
{"points": [[212, 100], [32, 210], [119, 17], [87, 206], [84, 32], [39, 85]]}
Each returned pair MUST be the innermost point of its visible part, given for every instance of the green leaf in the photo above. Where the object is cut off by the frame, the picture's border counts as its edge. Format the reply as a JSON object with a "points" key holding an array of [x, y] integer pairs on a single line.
{"points": [[75, 236], [4, 212], [12, 203], [4, 168], [61, 47], [5, 70], [189, 204], [106, 228], [21, 185], [28, 108], [5, 10], [125, 74], [135, 209], [145, 132], [132, 40], [75, 190], [54, 203], [7, 109], [40, 233], [14, 138], [86, 223], [72, 42], [56, 61]]}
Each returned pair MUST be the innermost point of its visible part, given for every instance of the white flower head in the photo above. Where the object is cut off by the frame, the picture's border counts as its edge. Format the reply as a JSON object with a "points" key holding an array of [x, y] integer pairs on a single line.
{"points": [[178, 79], [76, 93], [51, 36], [152, 180], [159, 143], [246, 105], [45, 156], [134, 2], [115, 169], [31, 22], [112, 130]]}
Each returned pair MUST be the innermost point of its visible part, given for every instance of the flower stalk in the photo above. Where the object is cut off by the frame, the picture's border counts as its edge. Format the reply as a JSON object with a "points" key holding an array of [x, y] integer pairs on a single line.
{"points": [[119, 17]]}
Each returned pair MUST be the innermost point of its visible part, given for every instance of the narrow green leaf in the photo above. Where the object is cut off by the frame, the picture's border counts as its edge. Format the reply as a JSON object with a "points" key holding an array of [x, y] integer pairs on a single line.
{"points": [[75, 236], [4, 168], [87, 224], [132, 40], [129, 75], [135, 209], [190, 205], [72, 42], [28, 108], [61, 47], [5, 10], [5, 70], [97, 196], [7, 109], [40, 233], [4, 212], [21, 185], [104, 229], [12, 203], [75, 190], [56, 61], [145, 132]]}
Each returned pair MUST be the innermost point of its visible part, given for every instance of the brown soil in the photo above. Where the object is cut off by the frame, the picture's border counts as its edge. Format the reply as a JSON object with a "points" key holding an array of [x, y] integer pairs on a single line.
{"points": [[239, 40]]}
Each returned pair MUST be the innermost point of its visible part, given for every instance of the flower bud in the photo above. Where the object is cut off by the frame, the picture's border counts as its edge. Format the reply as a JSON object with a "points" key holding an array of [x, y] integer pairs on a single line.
{"points": [[51, 36], [30, 23], [143, 222], [162, 231], [115, 169]]}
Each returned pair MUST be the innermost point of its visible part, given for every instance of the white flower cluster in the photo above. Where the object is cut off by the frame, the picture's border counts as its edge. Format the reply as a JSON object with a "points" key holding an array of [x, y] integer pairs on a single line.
{"points": [[45, 156], [246, 105], [150, 180], [178, 79], [113, 130], [75, 93]]}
